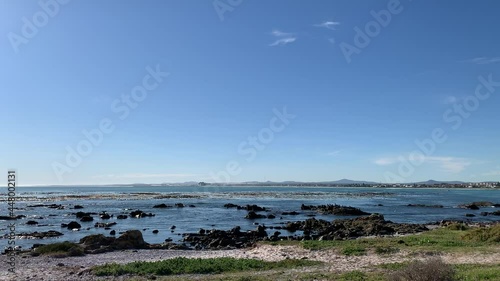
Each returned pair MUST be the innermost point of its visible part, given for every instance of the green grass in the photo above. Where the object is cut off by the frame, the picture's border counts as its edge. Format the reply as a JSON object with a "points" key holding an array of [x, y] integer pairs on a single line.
{"points": [[61, 249], [473, 272], [491, 234], [196, 266], [463, 272], [468, 272], [353, 250], [438, 240]]}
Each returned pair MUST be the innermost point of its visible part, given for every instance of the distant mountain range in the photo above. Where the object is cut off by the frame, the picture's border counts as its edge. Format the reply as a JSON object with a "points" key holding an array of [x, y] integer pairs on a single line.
{"points": [[342, 181], [291, 183], [430, 182]]}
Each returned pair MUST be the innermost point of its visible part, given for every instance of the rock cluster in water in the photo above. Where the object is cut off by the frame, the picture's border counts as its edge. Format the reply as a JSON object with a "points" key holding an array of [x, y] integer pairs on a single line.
{"points": [[334, 210], [313, 229]]}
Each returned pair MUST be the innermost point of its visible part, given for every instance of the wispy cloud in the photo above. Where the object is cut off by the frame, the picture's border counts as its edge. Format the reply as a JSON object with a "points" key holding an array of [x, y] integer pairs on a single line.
{"points": [[143, 175], [283, 41], [328, 24], [447, 164], [483, 60], [282, 38], [386, 161], [278, 33], [334, 153]]}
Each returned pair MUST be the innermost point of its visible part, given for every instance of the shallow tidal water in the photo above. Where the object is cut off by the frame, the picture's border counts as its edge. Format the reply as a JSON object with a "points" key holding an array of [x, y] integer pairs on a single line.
{"points": [[209, 212]]}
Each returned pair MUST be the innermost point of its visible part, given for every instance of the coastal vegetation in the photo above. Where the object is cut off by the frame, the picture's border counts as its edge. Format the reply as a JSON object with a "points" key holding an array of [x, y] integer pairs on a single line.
{"points": [[181, 265], [456, 237], [424, 249], [266, 271], [60, 250]]}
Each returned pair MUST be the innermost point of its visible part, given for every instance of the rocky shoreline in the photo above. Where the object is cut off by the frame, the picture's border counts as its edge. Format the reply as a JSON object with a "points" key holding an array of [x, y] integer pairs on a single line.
{"points": [[363, 224]]}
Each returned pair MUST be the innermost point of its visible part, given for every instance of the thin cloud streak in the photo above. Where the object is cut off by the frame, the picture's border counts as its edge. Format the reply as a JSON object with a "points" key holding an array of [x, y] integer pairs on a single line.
{"points": [[328, 24], [283, 41], [283, 38], [334, 153], [448, 164], [483, 60]]}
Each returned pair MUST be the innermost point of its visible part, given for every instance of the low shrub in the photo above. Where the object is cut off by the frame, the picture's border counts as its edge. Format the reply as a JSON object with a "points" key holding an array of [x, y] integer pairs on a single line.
{"points": [[430, 270], [61, 249], [484, 234]]}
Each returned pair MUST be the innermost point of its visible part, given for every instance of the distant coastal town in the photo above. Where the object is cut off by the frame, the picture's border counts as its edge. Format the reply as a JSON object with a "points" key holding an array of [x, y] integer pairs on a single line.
{"points": [[349, 183]]}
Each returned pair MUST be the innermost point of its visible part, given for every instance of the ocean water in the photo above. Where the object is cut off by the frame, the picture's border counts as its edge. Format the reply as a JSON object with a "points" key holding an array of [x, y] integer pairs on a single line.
{"points": [[209, 212]]}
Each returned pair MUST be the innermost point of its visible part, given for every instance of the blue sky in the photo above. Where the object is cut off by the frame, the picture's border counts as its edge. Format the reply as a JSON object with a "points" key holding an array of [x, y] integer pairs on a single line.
{"points": [[359, 106]]}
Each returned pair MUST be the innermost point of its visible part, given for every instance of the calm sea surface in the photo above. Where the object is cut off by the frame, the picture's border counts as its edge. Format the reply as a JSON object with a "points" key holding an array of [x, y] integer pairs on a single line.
{"points": [[209, 212]]}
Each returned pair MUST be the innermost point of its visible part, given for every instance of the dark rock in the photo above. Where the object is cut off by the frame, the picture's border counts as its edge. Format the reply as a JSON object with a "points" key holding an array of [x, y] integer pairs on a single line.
{"points": [[77, 207], [105, 225], [155, 231], [335, 210], [470, 215], [96, 243], [425, 206], [104, 216], [86, 219], [373, 225], [73, 225], [51, 206], [230, 205], [179, 205], [271, 216], [7, 218], [290, 213], [131, 239], [80, 215], [121, 217], [173, 227], [31, 222], [252, 216], [261, 231], [253, 208], [140, 214], [469, 206], [192, 206], [112, 232], [162, 206], [41, 235]]}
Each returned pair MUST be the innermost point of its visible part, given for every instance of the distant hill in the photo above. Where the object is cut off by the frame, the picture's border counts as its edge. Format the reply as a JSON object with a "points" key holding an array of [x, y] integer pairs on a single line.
{"points": [[431, 182], [342, 181], [348, 181]]}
